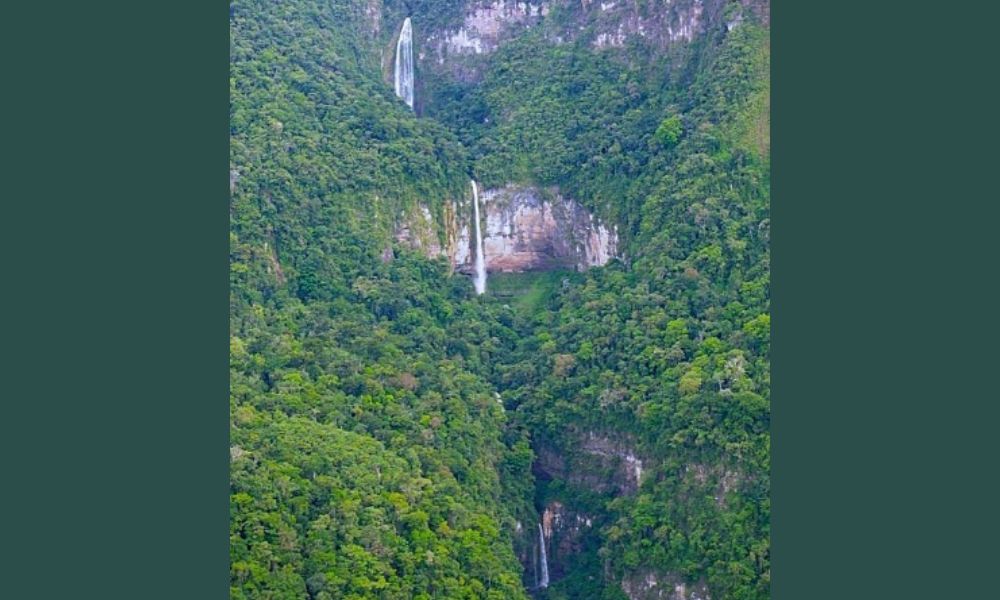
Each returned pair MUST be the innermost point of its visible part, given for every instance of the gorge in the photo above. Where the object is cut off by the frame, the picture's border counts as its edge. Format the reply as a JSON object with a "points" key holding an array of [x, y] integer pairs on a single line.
{"points": [[509, 337]]}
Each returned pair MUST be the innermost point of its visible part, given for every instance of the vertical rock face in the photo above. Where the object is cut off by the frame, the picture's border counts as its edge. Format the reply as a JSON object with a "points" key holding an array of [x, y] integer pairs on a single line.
{"points": [[484, 23], [529, 229], [419, 230], [718, 480], [373, 16], [652, 585], [615, 21], [596, 461], [524, 229], [585, 461], [605, 23], [608, 463], [564, 531]]}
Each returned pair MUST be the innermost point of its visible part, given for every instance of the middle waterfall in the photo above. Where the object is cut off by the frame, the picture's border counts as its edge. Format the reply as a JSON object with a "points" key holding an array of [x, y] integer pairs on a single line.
{"points": [[404, 63], [480, 250]]}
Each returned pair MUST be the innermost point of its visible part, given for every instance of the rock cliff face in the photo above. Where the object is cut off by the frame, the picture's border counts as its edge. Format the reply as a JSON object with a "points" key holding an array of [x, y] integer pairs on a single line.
{"points": [[609, 464], [596, 462], [529, 229], [373, 16], [419, 230], [718, 480], [484, 24], [590, 461], [565, 531], [603, 23], [651, 585], [524, 229]]}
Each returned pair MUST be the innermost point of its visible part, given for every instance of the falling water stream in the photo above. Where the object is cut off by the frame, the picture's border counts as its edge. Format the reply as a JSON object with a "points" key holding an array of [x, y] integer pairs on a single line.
{"points": [[544, 581], [480, 251], [404, 63]]}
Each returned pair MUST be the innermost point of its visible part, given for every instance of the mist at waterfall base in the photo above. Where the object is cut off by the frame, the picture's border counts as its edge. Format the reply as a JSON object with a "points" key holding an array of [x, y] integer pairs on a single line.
{"points": [[404, 63], [480, 280]]}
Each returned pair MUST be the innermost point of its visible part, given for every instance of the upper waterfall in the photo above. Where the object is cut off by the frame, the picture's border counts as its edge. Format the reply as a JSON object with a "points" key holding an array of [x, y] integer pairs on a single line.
{"points": [[404, 63], [480, 251]]}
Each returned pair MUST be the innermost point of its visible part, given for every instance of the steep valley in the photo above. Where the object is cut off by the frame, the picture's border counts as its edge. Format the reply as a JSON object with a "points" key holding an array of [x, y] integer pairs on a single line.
{"points": [[590, 423]]}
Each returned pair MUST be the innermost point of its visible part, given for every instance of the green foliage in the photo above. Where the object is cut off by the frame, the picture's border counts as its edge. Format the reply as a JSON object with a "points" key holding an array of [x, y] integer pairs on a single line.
{"points": [[371, 457], [669, 131], [367, 445], [671, 352]]}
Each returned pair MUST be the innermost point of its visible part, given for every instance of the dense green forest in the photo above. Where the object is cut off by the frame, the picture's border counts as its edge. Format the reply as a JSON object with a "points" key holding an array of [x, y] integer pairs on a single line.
{"points": [[387, 422]]}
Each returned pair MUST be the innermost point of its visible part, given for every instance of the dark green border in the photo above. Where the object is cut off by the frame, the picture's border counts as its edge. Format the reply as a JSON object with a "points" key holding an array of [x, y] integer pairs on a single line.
{"points": [[115, 316], [883, 439], [115, 420]]}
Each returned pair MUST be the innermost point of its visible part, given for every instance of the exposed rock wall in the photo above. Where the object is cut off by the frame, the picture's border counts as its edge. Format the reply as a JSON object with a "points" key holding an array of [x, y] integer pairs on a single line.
{"points": [[373, 16], [565, 531], [604, 23], [615, 21], [719, 479], [417, 231], [483, 27], [598, 462], [530, 229], [524, 229], [653, 585], [612, 23], [595, 461]]}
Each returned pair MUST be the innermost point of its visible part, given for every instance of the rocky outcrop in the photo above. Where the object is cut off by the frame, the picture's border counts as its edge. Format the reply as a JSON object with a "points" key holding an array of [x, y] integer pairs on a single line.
{"points": [[616, 21], [594, 461], [719, 479], [273, 266], [418, 229], [651, 585], [529, 229], [524, 229], [483, 27], [565, 532], [604, 23], [373, 16]]}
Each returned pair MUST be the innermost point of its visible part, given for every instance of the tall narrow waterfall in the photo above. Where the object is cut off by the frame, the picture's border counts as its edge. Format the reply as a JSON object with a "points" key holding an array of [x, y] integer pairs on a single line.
{"points": [[480, 251], [404, 63], [544, 582]]}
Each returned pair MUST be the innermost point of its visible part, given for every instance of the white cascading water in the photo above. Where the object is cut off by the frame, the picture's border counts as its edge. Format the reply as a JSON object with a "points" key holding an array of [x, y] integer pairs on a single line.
{"points": [[480, 251], [404, 63], [544, 582]]}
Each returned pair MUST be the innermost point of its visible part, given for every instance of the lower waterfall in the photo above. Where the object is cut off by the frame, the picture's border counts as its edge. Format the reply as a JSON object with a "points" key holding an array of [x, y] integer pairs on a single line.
{"points": [[544, 581]]}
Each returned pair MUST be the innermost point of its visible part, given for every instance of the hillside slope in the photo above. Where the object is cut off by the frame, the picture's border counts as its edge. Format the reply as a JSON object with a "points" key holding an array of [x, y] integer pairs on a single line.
{"points": [[365, 449]]}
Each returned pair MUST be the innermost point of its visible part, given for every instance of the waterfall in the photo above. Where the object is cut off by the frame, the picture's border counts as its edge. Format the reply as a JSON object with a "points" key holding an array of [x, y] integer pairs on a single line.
{"points": [[480, 251], [544, 583], [404, 63]]}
